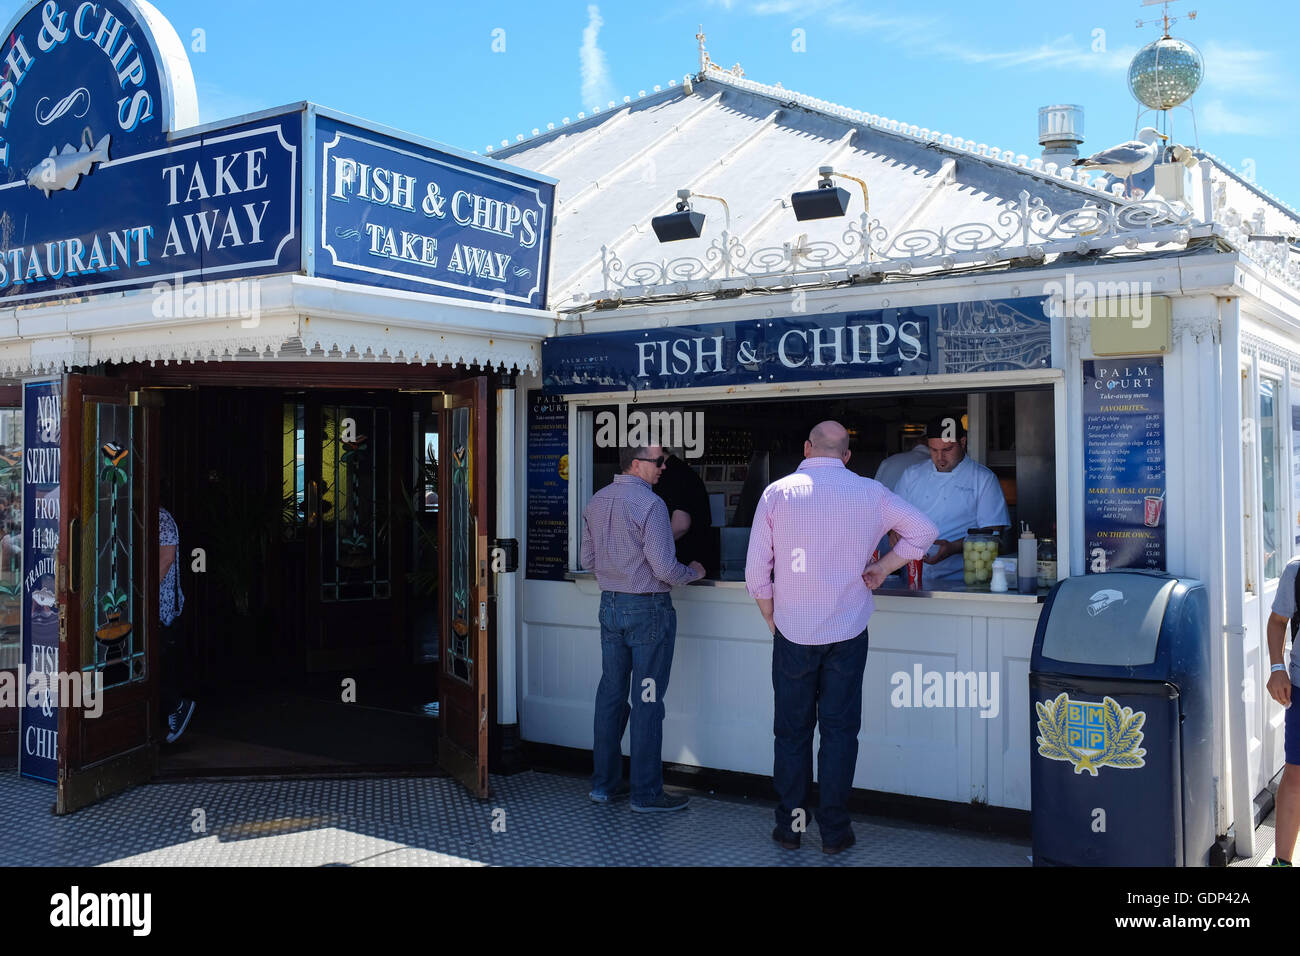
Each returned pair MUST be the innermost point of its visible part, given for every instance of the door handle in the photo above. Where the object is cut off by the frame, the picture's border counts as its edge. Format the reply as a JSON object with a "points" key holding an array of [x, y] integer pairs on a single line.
{"points": [[74, 555], [313, 503]]}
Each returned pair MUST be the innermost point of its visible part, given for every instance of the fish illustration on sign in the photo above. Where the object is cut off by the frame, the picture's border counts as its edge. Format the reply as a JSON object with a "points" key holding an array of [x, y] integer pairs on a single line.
{"points": [[64, 170]]}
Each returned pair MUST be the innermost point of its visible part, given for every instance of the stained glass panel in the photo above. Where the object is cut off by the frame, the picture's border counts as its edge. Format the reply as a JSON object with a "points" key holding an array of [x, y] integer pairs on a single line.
{"points": [[11, 551], [461, 543], [110, 598], [354, 505]]}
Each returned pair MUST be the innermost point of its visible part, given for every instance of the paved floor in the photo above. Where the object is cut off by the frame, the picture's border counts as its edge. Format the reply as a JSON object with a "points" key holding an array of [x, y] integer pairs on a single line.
{"points": [[532, 819], [1264, 841]]}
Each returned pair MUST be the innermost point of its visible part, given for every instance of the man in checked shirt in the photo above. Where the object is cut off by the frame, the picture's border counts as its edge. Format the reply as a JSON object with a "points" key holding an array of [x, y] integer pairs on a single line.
{"points": [[814, 532], [628, 541]]}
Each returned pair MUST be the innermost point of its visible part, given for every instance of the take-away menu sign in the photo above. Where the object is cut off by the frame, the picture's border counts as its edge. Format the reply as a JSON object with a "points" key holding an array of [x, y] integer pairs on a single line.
{"points": [[1124, 464], [548, 487]]}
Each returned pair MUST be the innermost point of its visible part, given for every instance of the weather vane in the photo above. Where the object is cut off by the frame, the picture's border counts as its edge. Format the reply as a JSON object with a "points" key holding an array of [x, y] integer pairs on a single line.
{"points": [[1164, 19]]}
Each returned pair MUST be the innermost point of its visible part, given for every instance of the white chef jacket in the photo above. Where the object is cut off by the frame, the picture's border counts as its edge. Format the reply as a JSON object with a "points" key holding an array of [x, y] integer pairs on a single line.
{"points": [[967, 497], [892, 468]]}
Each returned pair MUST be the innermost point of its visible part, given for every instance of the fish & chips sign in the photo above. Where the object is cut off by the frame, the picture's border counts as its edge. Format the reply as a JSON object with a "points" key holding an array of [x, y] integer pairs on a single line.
{"points": [[97, 193]]}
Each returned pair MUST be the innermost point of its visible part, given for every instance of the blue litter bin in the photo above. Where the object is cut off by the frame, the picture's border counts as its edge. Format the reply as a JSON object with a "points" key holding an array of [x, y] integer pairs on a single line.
{"points": [[1121, 723]]}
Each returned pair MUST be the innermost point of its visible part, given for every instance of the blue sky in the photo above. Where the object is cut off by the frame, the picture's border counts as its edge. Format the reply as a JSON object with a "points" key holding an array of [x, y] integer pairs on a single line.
{"points": [[976, 70]]}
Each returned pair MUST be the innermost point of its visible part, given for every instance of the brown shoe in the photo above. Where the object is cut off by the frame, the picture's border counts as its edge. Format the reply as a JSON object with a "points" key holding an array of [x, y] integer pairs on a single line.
{"points": [[833, 848]]}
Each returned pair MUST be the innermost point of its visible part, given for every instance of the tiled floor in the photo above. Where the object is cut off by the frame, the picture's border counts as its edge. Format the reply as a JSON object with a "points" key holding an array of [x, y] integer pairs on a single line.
{"points": [[532, 819]]}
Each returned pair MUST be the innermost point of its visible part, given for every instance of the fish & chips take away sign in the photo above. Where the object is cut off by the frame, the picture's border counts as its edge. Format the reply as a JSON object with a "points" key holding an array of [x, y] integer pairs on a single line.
{"points": [[100, 188]]}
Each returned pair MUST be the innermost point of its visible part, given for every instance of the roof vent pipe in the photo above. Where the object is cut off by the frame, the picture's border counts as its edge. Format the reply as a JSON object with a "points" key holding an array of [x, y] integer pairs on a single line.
{"points": [[1060, 131]]}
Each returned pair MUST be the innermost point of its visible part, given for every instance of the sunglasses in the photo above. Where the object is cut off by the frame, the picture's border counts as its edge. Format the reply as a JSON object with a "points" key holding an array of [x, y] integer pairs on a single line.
{"points": [[657, 462]]}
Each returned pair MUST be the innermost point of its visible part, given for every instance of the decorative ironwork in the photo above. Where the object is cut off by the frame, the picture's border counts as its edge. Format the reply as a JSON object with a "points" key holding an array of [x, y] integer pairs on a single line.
{"points": [[990, 336], [1025, 228]]}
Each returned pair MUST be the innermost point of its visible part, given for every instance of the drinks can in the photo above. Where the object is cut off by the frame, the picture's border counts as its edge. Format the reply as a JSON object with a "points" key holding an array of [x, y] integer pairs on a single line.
{"points": [[914, 574], [875, 556]]}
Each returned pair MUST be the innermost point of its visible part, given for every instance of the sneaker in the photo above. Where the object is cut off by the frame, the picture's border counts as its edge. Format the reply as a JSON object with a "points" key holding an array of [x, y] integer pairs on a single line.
{"points": [[619, 793], [179, 719], [666, 803], [833, 848], [1277, 862]]}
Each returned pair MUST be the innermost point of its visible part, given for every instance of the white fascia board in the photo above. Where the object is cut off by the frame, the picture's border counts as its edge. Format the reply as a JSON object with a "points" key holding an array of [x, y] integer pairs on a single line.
{"points": [[281, 297], [1171, 276], [415, 311], [1269, 300]]}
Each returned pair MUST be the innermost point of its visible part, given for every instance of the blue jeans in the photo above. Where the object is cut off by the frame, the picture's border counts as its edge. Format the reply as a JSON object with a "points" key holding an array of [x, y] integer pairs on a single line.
{"points": [[812, 685], [637, 633]]}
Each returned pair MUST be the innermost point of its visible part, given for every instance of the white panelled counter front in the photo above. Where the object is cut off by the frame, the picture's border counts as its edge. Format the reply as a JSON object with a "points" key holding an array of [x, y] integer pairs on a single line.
{"points": [[719, 699]]}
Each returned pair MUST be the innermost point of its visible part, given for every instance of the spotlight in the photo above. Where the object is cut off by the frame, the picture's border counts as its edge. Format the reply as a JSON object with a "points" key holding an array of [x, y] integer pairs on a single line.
{"points": [[685, 223], [824, 202], [827, 201]]}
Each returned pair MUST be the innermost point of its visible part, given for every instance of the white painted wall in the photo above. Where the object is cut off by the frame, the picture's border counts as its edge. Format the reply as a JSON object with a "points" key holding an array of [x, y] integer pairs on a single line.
{"points": [[719, 699]]}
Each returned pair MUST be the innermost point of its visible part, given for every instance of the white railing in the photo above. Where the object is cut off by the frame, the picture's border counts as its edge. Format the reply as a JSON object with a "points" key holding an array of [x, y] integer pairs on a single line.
{"points": [[1022, 229]]}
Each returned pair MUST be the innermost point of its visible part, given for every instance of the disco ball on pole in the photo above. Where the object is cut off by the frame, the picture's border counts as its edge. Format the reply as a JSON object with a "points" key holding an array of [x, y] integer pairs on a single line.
{"points": [[1164, 74]]}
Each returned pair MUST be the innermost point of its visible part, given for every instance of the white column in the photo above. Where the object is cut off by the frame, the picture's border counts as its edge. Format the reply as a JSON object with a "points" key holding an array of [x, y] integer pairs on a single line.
{"points": [[507, 588]]}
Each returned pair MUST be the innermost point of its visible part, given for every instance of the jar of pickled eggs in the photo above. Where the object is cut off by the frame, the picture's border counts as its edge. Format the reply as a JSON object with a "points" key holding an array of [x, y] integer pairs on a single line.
{"points": [[979, 551]]}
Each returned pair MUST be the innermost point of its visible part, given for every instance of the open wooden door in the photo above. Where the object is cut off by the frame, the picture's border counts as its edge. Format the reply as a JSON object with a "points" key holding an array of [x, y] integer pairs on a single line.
{"points": [[463, 602], [355, 457], [107, 589]]}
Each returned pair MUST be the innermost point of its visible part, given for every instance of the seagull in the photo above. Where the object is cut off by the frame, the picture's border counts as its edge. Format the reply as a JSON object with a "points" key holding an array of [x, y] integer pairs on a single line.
{"points": [[1124, 160]]}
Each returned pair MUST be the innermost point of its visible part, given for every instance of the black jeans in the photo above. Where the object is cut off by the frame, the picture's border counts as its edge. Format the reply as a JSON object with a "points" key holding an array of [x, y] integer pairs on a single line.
{"points": [[177, 678]]}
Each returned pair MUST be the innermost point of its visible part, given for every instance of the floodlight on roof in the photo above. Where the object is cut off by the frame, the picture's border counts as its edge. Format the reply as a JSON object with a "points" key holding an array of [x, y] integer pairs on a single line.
{"points": [[827, 200], [685, 223]]}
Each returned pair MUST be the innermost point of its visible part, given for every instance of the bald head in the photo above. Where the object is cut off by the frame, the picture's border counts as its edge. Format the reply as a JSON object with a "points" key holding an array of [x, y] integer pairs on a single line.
{"points": [[827, 440]]}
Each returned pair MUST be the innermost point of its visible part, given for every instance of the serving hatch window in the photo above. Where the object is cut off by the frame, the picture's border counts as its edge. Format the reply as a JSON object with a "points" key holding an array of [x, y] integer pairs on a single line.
{"points": [[736, 448]]}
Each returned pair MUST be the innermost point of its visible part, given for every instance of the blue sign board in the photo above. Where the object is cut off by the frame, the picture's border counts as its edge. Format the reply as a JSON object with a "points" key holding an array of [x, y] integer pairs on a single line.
{"points": [[83, 75], [1124, 464], [210, 206], [39, 725], [406, 216], [547, 548], [982, 336]]}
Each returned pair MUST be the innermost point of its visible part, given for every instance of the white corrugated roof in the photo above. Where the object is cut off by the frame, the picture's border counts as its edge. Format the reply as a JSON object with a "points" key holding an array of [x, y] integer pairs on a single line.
{"points": [[753, 145]]}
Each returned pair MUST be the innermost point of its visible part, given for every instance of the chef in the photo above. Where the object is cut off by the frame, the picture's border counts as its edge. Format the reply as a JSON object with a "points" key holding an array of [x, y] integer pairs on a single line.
{"points": [[955, 492]]}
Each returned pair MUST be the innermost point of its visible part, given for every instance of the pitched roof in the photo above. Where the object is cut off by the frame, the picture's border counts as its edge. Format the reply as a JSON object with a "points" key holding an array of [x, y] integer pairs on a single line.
{"points": [[753, 145]]}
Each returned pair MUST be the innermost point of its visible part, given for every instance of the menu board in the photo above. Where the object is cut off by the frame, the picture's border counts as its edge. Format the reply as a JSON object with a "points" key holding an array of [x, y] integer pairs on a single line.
{"points": [[38, 751], [548, 487], [1124, 516]]}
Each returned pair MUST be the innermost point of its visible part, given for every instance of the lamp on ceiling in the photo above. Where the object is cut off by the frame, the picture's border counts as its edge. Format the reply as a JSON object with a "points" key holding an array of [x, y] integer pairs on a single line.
{"points": [[828, 200], [685, 223]]}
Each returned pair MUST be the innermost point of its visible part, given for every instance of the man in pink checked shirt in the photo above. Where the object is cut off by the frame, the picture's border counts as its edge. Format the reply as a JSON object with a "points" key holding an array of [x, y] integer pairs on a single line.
{"points": [[817, 529]]}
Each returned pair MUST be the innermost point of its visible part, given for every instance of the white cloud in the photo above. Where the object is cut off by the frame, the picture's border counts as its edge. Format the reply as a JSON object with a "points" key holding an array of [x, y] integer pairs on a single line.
{"points": [[1060, 53], [596, 87], [1242, 71], [1216, 117]]}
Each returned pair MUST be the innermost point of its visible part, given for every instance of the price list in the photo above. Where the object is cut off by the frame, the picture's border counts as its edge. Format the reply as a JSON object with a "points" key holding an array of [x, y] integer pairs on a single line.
{"points": [[546, 554], [1124, 464]]}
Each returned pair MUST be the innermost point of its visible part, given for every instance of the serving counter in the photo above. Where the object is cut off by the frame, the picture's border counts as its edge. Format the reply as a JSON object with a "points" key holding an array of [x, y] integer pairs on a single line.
{"points": [[945, 694]]}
